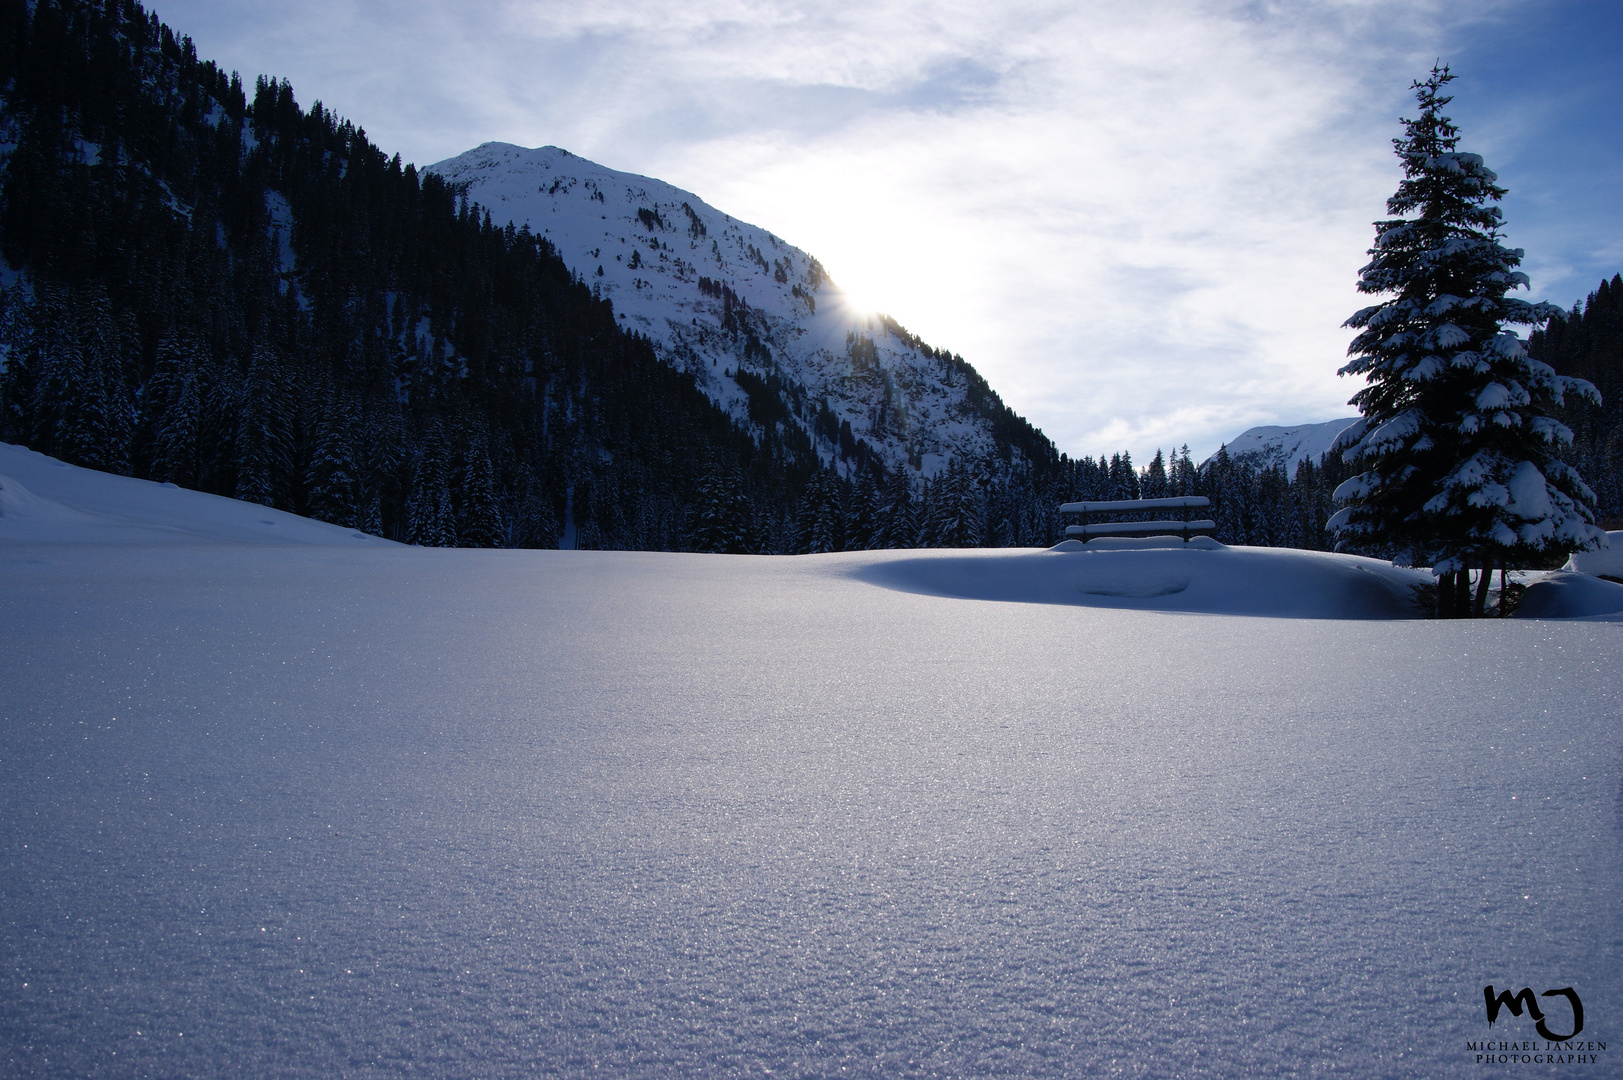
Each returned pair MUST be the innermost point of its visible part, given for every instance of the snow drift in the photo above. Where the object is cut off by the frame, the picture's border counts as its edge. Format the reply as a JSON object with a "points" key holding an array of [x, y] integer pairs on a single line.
{"points": [[1165, 574], [1606, 562], [1571, 596], [43, 500]]}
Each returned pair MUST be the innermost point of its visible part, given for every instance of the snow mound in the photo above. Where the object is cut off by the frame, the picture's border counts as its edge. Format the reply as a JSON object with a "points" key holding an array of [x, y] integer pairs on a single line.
{"points": [[1160, 574], [1139, 543], [1607, 562], [47, 501], [1565, 595], [26, 516]]}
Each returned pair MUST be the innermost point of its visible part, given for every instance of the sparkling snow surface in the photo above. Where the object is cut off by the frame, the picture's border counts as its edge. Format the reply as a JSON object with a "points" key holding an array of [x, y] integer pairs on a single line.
{"points": [[315, 810]]}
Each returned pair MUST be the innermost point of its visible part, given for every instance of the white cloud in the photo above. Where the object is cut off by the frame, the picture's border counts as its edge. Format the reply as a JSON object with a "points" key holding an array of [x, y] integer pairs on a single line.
{"points": [[1141, 221]]}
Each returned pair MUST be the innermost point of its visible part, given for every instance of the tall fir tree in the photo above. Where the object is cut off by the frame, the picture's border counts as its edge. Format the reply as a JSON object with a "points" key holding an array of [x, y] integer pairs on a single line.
{"points": [[330, 476], [900, 527], [956, 514], [534, 520], [863, 522], [172, 415], [431, 514], [1457, 462], [1225, 486], [264, 450], [478, 511], [1153, 484], [1183, 478], [820, 524], [719, 520]]}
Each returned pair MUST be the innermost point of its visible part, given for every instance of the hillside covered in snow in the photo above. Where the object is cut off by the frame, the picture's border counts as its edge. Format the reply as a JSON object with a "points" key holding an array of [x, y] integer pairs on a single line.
{"points": [[47, 501], [1269, 446], [757, 322]]}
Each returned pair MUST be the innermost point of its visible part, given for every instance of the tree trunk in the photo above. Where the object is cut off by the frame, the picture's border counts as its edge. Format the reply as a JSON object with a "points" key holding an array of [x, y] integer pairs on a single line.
{"points": [[1481, 606], [1445, 596], [1503, 607]]}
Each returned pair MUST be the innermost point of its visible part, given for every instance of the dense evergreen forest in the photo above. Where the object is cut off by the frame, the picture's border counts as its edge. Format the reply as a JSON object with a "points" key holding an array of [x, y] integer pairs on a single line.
{"points": [[244, 297], [212, 286], [1588, 344]]}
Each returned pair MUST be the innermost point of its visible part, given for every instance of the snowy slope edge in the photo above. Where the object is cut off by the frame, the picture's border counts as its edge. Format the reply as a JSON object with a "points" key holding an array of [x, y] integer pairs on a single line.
{"points": [[47, 501]]}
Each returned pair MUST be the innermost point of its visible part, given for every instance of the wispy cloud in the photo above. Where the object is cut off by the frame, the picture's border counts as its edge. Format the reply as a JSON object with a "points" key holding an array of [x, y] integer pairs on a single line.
{"points": [[1142, 221]]}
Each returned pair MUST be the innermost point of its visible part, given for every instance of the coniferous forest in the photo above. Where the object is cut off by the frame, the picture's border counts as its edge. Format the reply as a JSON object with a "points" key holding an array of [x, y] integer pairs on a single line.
{"points": [[1587, 343], [209, 285], [233, 294]]}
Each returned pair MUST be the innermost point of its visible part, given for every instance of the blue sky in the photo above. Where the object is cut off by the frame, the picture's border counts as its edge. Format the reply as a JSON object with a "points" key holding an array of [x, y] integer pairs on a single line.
{"points": [[1547, 117], [1141, 221]]}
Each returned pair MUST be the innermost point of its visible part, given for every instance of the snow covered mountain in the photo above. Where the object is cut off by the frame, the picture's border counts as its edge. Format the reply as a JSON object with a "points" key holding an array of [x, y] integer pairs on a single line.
{"points": [[757, 322], [1287, 445]]}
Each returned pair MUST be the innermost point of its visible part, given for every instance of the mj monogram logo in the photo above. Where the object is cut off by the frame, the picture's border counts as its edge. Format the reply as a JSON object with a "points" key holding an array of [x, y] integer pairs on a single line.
{"points": [[1516, 1002]]}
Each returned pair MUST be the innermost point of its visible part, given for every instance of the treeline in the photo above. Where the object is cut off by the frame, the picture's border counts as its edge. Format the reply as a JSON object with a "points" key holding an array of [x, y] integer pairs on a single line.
{"points": [[1588, 344], [1254, 502]]}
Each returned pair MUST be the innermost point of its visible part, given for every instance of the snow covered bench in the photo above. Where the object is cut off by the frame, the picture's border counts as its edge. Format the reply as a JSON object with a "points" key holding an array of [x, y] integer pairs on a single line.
{"points": [[1088, 529], [1605, 563]]}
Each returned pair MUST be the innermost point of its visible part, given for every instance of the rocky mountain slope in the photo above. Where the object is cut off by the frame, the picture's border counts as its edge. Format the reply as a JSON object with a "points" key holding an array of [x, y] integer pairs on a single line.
{"points": [[1272, 445], [756, 321]]}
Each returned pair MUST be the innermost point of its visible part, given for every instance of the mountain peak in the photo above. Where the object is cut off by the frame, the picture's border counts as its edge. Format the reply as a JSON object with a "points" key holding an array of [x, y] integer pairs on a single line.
{"points": [[757, 322]]}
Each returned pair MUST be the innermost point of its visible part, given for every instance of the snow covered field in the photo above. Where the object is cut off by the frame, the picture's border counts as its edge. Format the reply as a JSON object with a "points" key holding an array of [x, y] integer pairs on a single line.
{"points": [[339, 807]]}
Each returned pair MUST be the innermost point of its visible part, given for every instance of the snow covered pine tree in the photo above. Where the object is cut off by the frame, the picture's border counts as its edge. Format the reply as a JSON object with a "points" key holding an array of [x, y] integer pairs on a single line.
{"points": [[1457, 464]]}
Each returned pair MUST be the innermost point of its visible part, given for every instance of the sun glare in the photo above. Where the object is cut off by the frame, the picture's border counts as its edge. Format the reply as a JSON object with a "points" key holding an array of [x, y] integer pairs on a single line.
{"points": [[856, 302], [857, 299]]}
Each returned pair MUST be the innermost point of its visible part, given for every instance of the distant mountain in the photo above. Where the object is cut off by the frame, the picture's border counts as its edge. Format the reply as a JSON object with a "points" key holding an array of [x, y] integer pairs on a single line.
{"points": [[756, 322], [1265, 447]]}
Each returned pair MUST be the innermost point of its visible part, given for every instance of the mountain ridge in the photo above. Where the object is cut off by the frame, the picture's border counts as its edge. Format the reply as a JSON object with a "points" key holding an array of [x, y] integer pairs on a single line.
{"points": [[1269, 445], [757, 322]]}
